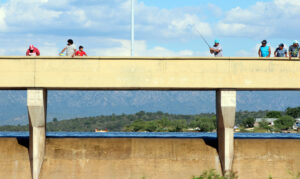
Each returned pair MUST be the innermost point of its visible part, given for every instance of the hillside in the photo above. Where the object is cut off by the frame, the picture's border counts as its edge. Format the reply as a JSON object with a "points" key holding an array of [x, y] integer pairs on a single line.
{"points": [[121, 122], [79, 104]]}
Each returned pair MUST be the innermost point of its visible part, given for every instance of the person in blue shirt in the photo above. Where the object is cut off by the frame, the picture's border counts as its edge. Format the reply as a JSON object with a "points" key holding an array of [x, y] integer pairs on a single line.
{"points": [[264, 49], [280, 51]]}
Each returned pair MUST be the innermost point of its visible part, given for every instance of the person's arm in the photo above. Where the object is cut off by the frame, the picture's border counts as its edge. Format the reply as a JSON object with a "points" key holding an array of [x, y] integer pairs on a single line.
{"points": [[74, 53], [218, 50], [215, 50], [285, 53], [63, 50], [290, 52], [85, 54], [37, 52], [275, 53], [259, 52], [269, 52], [299, 53], [27, 52]]}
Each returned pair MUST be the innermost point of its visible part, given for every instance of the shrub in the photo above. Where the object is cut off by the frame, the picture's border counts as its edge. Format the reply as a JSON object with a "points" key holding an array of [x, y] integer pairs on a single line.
{"points": [[284, 123]]}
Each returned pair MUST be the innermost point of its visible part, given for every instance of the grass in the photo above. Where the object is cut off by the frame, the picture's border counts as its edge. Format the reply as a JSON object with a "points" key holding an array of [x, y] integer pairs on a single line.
{"points": [[212, 174]]}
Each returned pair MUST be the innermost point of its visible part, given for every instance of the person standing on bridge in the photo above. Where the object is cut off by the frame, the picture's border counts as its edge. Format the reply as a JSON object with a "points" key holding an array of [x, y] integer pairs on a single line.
{"points": [[70, 49], [264, 49], [294, 49], [32, 51], [280, 51], [80, 52], [217, 49]]}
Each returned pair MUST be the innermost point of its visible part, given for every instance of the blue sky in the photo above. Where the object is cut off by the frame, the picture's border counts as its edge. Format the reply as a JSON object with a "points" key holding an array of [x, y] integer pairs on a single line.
{"points": [[163, 27]]}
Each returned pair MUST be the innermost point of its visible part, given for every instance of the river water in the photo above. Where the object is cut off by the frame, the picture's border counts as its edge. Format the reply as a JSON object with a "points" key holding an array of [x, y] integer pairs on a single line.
{"points": [[153, 135]]}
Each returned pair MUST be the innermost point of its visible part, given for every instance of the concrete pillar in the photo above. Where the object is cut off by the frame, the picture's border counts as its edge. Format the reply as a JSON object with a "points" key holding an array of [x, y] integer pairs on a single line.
{"points": [[226, 108], [37, 110]]}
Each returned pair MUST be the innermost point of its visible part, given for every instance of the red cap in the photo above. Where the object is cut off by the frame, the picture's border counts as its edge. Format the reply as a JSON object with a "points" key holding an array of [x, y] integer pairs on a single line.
{"points": [[31, 47]]}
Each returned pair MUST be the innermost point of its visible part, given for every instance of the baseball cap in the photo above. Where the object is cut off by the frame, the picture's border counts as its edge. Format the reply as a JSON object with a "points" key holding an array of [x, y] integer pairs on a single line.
{"points": [[281, 45], [217, 41], [264, 42], [31, 47], [295, 42]]}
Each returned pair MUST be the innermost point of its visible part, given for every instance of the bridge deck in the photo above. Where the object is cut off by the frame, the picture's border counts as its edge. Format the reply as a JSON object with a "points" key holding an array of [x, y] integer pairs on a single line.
{"points": [[173, 73]]}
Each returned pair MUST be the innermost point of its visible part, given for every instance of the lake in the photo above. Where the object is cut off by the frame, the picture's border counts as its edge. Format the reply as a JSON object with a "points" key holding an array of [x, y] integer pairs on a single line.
{"points": [[153, 135]]}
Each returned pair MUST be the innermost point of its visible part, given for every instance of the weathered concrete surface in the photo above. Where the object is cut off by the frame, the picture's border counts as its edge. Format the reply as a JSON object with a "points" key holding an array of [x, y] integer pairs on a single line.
{"points": [[149, 73], [261, 159], [14, 160], [37, 110], [127, 158], [150, 158], [226, 107]]}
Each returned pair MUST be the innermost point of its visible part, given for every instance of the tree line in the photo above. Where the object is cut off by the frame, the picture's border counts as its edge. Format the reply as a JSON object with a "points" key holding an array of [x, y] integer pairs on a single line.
{"points": [[161, 122]]}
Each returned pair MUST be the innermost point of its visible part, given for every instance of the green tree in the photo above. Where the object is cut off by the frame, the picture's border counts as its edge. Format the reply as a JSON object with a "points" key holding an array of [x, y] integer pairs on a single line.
{"points": [[138, 125], [204, 124], [55, 119], [151, 126], [294, 112], [248, 123], [274, 114], [265, 125], [178, 126], [284, 123]]}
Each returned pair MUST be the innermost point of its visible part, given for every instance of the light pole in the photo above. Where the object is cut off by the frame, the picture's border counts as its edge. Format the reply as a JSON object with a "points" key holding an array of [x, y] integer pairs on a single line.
{"points": [[132, 27]]}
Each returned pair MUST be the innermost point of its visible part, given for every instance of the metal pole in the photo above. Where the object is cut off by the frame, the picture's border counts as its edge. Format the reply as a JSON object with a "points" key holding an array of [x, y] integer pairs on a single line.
{"points": [[132, 27]]}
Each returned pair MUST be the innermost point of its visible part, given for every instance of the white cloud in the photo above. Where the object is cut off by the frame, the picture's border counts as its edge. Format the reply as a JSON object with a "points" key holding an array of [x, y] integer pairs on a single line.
{"points": [[2, 20], [188, 23], [99, 18], [264, 19], [141, 49], [94, 46]]}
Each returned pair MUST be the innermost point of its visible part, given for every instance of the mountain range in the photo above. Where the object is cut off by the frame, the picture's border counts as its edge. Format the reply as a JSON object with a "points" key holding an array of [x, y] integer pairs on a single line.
{"points": [[73, 104]]}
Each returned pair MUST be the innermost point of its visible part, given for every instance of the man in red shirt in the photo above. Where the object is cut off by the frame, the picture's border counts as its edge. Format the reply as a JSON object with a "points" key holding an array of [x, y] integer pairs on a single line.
{"points": [[80, 52], [32, 51]]}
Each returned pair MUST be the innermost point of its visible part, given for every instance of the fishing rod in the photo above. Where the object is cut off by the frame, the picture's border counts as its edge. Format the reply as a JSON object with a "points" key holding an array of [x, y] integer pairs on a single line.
{"points": [[204, 40]]}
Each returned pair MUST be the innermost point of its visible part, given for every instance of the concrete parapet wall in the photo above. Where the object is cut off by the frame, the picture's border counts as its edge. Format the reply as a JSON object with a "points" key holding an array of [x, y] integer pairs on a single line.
{"points": [[149, 158], [149, 73]]}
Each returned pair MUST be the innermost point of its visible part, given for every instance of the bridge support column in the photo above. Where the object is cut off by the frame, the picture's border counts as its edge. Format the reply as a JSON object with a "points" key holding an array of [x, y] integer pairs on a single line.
{"points": [[37, 110], [226, 108]]}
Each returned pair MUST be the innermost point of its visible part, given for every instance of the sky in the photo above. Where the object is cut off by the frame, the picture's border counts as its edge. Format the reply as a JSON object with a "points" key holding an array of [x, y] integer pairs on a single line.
{"points": [[162, 27]]}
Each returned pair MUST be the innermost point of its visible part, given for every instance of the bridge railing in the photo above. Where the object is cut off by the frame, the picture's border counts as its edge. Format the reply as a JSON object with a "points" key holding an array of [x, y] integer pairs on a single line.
{"points": [[195, 73]]}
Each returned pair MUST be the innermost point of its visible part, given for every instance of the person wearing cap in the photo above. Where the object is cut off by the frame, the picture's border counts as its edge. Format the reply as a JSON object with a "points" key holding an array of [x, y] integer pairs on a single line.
{"points": [[32, 51], [80, 52], [294, 49], [217, 49], [264, 49], [70, 49], [280, 51]]}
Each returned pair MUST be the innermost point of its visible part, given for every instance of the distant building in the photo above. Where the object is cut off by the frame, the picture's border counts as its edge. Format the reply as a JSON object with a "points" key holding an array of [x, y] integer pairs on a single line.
{"points": [[269, 120], [297, 124]]}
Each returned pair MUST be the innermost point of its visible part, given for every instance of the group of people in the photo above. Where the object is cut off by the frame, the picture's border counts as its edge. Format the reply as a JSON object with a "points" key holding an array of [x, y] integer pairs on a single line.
{"points": [[281, 51], [70, 50], [264, 50]]}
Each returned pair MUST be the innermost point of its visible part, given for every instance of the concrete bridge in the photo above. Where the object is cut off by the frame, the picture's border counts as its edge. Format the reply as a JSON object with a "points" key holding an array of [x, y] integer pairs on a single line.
{"points": [[224, 75]]}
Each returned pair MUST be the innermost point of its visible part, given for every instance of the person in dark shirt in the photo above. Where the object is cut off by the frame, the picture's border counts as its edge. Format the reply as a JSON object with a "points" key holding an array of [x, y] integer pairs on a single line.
{"points": [[294, 49]]}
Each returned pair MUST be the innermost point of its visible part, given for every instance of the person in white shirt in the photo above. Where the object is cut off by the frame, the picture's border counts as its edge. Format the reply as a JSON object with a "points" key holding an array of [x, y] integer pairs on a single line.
{"points": [[217, 49], [70, 49]]}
